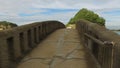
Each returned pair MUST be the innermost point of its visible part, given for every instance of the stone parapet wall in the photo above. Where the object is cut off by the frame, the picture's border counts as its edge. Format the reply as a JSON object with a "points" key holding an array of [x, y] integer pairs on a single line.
{"points": [[17, 42], [102, 43]]}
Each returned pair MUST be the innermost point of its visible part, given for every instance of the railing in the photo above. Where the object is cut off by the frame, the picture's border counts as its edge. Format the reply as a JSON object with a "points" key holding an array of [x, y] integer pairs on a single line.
{"points": [[17, 42], [103, 44]]}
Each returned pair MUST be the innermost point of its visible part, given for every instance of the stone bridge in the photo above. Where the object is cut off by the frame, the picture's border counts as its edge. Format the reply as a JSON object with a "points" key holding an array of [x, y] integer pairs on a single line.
{"points": [[49, 44]]}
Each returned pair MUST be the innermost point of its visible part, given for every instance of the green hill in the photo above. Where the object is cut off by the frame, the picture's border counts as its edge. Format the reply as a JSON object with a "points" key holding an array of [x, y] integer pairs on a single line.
{"points": [[6, 25], [87, 15]]}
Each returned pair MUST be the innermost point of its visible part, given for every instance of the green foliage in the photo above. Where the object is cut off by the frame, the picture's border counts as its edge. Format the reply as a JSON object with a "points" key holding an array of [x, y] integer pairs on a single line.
{"points": [[5, 23], [88, 15]]}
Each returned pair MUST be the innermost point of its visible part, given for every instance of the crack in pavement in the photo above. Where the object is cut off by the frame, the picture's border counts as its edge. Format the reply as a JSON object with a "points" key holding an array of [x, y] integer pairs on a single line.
{"points": [[28, 59], [59, 46]]}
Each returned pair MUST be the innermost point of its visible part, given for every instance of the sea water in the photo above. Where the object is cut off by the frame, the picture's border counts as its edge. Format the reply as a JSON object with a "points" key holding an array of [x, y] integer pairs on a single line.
{"points": [[118, 32]]}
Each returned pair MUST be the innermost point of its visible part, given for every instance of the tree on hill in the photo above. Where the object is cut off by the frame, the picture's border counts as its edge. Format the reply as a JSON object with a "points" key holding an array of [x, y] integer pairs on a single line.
{"points": [[88, 15], [5, 23]]}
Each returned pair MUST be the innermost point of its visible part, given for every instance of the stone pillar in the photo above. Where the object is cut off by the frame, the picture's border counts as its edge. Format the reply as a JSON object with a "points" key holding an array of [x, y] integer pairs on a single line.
{"points": [[37, 34], [90, 44], [17, 48], [32, 38], [5, 57], [27, 48]]}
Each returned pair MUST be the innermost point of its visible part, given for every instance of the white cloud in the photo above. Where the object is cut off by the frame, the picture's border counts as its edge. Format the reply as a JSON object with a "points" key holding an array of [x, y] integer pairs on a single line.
{"points": [[58, 16], [10, 9]]}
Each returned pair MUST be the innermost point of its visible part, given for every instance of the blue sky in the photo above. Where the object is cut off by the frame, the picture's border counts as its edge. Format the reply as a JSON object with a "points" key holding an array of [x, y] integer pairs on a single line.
{"points": [[28, 11]]}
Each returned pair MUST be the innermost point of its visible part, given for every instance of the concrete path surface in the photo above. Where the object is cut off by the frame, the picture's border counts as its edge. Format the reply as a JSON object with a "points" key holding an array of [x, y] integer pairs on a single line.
{"points": [[61, 49]]}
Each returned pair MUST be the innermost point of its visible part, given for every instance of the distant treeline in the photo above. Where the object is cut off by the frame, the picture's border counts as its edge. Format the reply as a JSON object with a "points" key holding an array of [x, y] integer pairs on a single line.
{"points": [[87, 15], [5, 23], [116, 30]]}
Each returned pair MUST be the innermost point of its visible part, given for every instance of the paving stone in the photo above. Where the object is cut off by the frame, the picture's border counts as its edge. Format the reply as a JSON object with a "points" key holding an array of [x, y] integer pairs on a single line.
{"points": [[33, 64], [71, 63], [78, 54], [44, 50], [61, 49], [55, 36], [67, 48]]}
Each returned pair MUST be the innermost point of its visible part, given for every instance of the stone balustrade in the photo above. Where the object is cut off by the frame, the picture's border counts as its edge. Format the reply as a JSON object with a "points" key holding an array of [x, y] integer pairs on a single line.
{"points": [[102, 43], [17, 42]]}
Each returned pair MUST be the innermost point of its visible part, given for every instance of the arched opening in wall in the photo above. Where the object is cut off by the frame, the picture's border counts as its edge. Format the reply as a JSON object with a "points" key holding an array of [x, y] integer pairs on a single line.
{"points": [[43, 31], [29, 38], [10, 43], [35, 35], [50, 26], [39, 33], [95, 49], [21, 39]]}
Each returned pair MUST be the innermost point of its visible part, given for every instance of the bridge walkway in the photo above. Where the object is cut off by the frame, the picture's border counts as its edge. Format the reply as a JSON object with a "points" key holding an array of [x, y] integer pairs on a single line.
{"points": [[61, 49]]}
